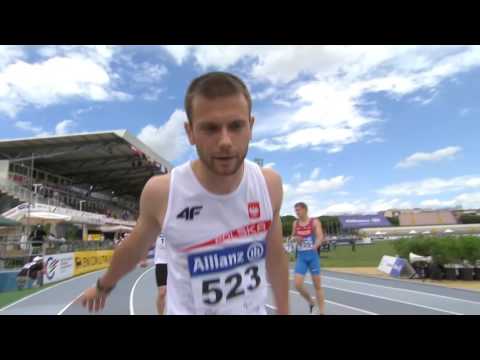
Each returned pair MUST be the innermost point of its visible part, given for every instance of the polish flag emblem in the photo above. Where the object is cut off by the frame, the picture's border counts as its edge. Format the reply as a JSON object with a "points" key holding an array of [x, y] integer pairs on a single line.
{"points": [[254, 210]]}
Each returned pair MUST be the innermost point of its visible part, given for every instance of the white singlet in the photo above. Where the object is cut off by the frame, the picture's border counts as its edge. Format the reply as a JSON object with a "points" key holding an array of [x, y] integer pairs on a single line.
{"points": [[160, 250], [217, 245]]}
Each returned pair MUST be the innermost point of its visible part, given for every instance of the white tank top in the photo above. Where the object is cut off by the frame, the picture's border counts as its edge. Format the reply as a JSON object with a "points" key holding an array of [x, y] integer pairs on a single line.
{"points": [[216, 245], [160, 250]]}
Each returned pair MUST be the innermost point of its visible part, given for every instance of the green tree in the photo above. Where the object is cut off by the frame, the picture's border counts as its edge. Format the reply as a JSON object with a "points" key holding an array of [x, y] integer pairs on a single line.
{"points": [[394, 220], [470, 219], [287, 222]]}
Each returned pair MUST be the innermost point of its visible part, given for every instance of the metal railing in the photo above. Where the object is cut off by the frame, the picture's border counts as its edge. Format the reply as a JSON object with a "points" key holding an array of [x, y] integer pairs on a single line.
{"points": [[15, 254], [71, 199]]}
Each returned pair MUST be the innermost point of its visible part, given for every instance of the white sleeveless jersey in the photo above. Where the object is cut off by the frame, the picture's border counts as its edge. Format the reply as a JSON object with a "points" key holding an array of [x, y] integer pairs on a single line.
{"points": [[160, 250], [216, 245]]}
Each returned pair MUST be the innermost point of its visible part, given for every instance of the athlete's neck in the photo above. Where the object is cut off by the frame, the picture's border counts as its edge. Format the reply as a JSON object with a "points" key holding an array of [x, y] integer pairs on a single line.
{"points": [[303, 219], [220, 185]]}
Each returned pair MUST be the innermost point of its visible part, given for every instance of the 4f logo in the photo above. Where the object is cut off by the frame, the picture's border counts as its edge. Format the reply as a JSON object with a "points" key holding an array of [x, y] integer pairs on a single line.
{"points": [[189, 212]]}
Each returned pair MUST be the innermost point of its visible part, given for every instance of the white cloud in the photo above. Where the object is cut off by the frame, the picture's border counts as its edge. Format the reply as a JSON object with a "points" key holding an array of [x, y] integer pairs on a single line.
{"points": [[363, 207], [296, 177], [269, 165], [465, 111], [81, 111], [72, 72], [168, 140], [149, 73], [27, 126], [466, 200], [431, 186], [178, 52], [264, 94], [331, 99], [421, 157], [10, 54], [64, 127], [314, 174], [153, 94], [309, 191]]}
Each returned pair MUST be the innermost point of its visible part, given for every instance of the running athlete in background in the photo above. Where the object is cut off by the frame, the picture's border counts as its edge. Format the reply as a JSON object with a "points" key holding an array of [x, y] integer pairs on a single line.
{"points": [[161, 272], [219, 213], [307, 232]]}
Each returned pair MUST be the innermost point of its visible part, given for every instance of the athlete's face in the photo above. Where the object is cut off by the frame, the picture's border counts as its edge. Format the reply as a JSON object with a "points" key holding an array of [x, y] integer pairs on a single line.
{"points": [[221, 130], [300, 211]]}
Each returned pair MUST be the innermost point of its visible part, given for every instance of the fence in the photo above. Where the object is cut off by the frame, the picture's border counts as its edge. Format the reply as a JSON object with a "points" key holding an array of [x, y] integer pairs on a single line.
{"points": [[15, 254]]}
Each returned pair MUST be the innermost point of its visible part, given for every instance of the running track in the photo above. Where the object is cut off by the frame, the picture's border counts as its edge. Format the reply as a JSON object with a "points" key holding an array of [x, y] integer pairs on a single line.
{"points": [[345, 295]]}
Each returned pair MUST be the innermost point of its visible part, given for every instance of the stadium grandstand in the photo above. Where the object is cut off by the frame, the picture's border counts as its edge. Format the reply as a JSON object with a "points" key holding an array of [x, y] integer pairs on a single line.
{"points": [[91, 181], [414, 218]]}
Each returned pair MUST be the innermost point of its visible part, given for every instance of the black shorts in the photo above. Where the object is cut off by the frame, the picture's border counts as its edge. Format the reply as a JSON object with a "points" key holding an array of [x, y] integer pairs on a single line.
{"points": [[161, 274]]}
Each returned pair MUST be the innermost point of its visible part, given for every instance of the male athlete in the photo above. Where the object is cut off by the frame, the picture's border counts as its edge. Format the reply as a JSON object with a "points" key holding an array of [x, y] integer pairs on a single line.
{"points": [[219, 214], [161, 273], [307, 232]]}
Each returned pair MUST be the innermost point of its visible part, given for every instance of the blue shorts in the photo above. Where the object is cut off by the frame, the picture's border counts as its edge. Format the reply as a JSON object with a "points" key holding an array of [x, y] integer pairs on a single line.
{"points": [[307, 260]]}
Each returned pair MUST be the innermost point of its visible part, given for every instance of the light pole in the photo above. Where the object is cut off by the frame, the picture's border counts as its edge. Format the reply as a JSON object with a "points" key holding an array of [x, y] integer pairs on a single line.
{"points": [[35, 190], [84, 227]]}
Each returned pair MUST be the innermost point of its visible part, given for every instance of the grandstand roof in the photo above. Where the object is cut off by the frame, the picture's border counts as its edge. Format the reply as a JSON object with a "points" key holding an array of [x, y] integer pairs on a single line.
{"points": [[111, 161]]}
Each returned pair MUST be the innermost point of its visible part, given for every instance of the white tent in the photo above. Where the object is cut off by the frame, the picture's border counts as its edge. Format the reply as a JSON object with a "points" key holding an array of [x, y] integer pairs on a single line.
{"points": [[448, 231], [39, 217], [115, 228], [412, 232], [43, 218], [426, 232]]}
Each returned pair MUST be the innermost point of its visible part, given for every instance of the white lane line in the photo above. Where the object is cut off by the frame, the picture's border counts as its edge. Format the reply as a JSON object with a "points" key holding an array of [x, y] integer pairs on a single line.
{"points": [[351, 307], [388, 298], [338, 304], [49, 288], [385, 298], [132, 312], [271, 307], [330, 302], [70, 303], [402, 289]]}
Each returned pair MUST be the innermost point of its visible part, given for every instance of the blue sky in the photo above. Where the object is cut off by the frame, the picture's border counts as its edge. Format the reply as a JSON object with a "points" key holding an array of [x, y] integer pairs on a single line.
{"points": [[351, 129]]}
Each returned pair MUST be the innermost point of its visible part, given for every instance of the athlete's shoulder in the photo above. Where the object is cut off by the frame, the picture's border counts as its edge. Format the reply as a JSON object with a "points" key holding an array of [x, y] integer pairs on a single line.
{"points": [[157, 184], [272, 177], [155, 192], [275, 188]]}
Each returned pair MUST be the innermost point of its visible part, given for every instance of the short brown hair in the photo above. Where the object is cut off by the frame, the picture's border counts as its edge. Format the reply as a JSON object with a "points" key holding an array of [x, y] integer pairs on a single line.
{"points": [[213, 85], [302, 205]]}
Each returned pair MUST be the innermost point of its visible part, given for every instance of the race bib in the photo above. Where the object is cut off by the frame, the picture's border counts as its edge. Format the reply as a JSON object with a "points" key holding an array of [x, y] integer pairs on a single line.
{"points": [[229, 280], [307, 243]]}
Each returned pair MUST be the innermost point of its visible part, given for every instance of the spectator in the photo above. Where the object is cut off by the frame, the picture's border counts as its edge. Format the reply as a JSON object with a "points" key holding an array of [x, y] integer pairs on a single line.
{"points": [[32, 270], [37, 237]]}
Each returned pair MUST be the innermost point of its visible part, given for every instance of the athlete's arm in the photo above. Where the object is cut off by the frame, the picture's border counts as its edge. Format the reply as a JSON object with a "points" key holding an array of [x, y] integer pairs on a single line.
{"points": [[319, 238], [126, 256], [276, 259]]}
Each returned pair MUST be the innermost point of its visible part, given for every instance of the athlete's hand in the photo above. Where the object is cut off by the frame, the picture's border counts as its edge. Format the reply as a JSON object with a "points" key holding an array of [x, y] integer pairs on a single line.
{"points": [[93, 299]]}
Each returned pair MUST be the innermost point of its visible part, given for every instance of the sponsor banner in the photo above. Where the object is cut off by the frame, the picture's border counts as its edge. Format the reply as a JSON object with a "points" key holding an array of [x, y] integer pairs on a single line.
{"points": [[58, 267], [363, 221], [95, 237], [87, 261], [392, 265]]}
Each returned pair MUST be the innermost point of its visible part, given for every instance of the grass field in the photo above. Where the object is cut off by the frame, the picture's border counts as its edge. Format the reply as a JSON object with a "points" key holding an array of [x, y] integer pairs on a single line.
{"points": [[12, 296], [364, 255]]}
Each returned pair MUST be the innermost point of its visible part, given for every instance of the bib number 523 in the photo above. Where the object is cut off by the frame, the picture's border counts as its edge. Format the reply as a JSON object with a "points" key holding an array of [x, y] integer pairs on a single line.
{"points": [[212, 288]]}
